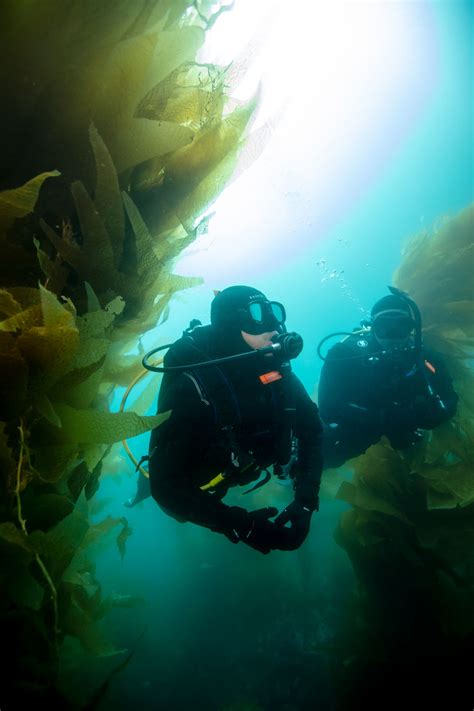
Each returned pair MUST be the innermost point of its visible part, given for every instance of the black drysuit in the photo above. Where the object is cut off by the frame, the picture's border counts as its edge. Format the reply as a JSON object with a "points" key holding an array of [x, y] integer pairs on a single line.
{"points": [[224, 420], [364, 394]]}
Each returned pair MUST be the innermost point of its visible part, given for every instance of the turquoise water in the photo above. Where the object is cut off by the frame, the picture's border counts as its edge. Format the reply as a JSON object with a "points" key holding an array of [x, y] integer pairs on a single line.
{"points": [[223, 624]]}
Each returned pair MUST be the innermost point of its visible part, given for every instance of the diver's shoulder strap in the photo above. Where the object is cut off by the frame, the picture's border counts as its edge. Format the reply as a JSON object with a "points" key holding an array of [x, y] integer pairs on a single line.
{"points": [[211, 383], [216, 390]]}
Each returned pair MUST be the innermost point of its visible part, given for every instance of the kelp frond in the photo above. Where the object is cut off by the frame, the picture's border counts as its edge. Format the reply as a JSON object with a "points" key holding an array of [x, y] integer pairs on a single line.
{"points": [[142, 138]]}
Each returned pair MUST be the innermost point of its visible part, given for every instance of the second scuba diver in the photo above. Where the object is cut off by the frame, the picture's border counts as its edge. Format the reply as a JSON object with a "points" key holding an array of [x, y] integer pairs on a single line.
{"points": [[381, 380], [236, 409]]}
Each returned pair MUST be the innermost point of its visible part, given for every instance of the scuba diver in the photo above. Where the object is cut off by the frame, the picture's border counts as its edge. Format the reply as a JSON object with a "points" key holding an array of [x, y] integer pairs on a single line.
{"points": [[381, 380], [236, 409]]}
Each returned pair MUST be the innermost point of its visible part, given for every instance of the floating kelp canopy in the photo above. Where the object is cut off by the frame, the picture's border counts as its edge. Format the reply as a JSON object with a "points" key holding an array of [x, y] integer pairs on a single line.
{"points": [[410, 531], [114, 141]]}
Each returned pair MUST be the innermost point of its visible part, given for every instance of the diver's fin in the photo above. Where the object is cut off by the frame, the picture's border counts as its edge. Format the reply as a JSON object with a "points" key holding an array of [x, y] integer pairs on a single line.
{"points": [[143, 492]]}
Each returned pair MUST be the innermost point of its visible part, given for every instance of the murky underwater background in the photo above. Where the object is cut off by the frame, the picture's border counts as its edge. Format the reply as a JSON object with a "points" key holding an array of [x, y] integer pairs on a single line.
{"points": [[224, 627]]}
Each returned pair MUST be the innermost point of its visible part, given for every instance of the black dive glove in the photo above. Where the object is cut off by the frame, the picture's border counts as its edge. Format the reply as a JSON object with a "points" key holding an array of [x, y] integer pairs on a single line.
{"points": [[299, 517], [251, 527], [256, 530]]}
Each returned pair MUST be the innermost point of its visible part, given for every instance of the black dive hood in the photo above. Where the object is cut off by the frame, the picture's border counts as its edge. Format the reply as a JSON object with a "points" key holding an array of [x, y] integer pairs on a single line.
{"points": [[285, 345], [415, 311], [366, 327]]}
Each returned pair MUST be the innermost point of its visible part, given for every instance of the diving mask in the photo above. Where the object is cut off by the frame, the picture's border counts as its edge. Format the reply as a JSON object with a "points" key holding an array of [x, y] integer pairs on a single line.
{"points": [[392, 325], [262, 316]]}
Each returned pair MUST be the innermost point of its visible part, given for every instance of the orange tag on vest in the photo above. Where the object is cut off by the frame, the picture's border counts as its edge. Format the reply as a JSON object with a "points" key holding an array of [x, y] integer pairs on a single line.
{"points": [[270, 377]]}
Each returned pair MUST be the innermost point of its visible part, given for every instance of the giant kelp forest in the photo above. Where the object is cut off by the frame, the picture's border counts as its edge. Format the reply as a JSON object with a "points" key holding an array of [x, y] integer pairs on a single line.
{"points": [[114, 142]]}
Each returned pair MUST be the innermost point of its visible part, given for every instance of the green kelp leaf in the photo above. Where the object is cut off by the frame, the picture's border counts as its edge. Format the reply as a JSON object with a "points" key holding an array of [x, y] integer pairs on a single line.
{"points": [[116, 463], [81, 573], [93, 303], [90, 352], [55, 271], [85, 476], [165, 315], [93, 482], [147, 262], [445, 439], [78, 623], [77, 479], [52, 461], [382, 471], [107, 198], [23, 320], [147, 319], [21, 201], [171, 283], [96, 243], [46, 409], [201, 197], [97, 323], [437, 500], [79, 386], [44, 511], [122, 76], [99, 532], [26, 296], [99, 505], [122, 369], [48, 353], [94, 454], [78, 390], [151, 139], [192, 94], [95, 427], [55, 314], [122, 537], [332, 480], [363, 498], [462, 310], [8, 305], [188, 167], [178, 245], [174, 50], [58, 546], [253, 147], [455, 479], [68, 250]]}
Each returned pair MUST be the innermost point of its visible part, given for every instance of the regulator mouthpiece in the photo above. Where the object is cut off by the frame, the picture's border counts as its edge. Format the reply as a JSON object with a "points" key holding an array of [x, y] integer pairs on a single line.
{"points": [[289, 345]]}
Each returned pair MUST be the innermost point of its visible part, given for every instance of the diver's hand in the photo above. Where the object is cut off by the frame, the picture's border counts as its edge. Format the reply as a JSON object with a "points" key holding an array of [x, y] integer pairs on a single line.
{"points": [[299, 516], [252, 527]]}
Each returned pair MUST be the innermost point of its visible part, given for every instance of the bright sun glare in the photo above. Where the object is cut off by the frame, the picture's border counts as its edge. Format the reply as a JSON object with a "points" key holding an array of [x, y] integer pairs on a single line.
{"points": [[339, 82]]}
